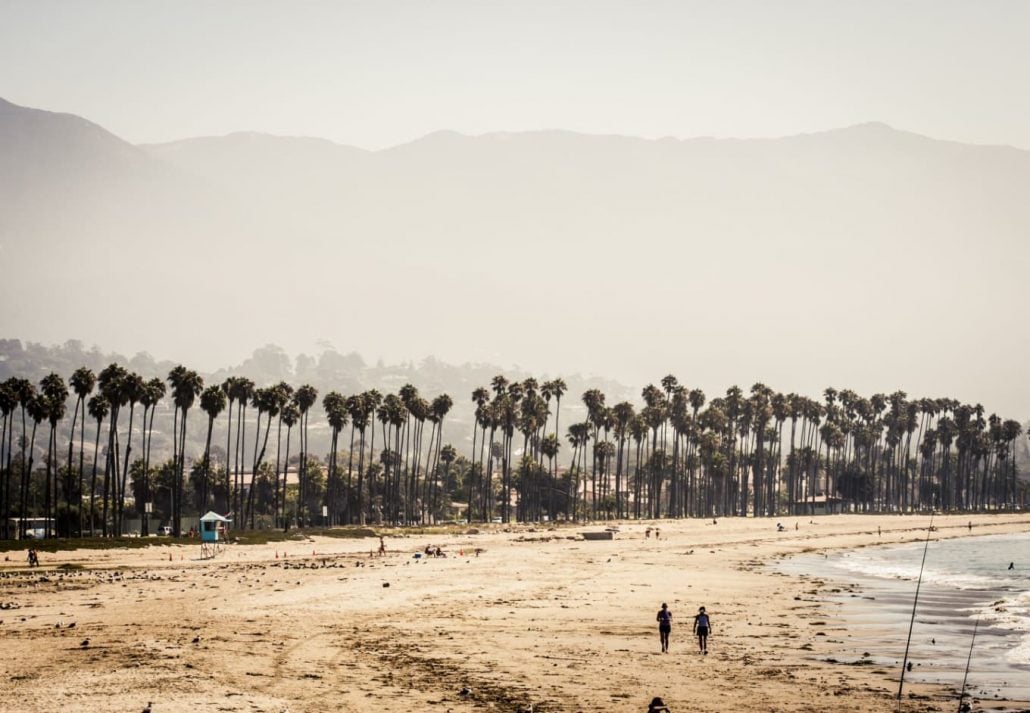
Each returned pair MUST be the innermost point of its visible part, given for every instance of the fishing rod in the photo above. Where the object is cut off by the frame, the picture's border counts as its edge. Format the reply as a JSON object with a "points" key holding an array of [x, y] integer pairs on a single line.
{"points": [[962, 705], [915, 602]]}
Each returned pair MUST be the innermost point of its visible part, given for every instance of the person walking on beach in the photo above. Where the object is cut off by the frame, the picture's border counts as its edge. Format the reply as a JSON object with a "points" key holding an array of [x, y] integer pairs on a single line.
{"points": [[664, 620], [702, 628]]}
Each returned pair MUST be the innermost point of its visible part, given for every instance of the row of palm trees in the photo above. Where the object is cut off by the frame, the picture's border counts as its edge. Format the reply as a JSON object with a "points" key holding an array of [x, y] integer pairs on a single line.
{"points": [[677, 455], [767, 453]]}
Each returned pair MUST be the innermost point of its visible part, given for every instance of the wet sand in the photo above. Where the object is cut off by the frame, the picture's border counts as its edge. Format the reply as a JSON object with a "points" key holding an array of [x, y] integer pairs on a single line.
{"points": [[877, 604], [540, 618]]}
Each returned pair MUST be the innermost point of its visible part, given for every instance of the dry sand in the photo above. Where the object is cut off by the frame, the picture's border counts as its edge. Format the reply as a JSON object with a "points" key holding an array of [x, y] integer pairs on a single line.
{"points": [[537, 619]]}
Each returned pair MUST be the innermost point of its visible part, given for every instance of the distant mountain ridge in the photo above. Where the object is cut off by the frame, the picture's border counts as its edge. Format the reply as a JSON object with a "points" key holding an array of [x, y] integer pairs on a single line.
{"points": [[860, 255]]}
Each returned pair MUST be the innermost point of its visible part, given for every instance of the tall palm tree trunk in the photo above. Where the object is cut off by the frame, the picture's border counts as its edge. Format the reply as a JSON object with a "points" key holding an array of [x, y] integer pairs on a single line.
{"points": [[93, 484], [26, 480], [286, 474], [228, 461], [180, 485], [146, 466], [207, 458], [125, 470], [258, 460], [275, 494], [48, 505]]}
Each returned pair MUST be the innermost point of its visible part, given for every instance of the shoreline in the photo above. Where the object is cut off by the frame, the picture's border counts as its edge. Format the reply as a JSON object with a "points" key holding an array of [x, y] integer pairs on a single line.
{"points": [[537, 618], [875, 607]]}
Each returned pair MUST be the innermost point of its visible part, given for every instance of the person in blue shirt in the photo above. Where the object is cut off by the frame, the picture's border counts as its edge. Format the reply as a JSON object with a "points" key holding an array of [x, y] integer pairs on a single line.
{"points": [[664, 620], [702, 628]]}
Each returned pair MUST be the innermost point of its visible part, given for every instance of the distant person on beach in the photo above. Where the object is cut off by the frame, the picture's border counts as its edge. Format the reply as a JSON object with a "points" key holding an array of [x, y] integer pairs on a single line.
{"points": [[657, 534], [34, 558], [657, 705], [879, 533], [664, 620], [382, 546], [1012, 565], [702, 628], [970, 525], [647, 534]]}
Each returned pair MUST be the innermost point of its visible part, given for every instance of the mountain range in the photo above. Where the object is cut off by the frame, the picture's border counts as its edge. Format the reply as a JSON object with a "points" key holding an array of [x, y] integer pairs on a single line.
{"points": [[865, 257]]}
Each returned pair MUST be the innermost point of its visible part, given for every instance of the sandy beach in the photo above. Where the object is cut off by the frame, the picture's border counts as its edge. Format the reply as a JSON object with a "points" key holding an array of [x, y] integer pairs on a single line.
{"points": [[540, 620]]}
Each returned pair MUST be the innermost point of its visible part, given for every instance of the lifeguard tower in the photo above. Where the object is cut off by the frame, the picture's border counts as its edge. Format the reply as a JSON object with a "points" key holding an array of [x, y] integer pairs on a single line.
{"points": [[212, 534]]}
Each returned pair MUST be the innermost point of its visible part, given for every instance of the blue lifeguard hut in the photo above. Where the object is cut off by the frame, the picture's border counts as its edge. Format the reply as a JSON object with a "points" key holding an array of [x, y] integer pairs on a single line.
{"points": [[212, 533]]}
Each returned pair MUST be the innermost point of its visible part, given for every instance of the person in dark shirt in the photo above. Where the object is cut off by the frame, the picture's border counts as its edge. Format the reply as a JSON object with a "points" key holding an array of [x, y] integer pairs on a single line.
{"points": [[702, 628], [657, 705], [664, 620]]}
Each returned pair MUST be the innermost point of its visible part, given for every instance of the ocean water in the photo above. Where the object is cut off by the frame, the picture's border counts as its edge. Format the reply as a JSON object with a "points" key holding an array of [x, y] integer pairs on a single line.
{"points": [[966, 581]]}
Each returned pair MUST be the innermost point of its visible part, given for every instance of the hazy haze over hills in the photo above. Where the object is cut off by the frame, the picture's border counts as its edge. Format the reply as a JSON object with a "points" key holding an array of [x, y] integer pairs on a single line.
{"points": [[864, 257]]}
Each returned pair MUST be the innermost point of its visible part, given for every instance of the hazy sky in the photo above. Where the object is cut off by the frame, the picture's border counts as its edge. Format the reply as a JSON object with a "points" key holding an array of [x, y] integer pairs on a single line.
{"points": [[374, 74]]}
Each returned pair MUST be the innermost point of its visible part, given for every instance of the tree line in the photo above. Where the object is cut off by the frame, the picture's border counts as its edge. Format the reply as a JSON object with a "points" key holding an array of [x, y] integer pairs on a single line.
{"points": [[677, 454]]}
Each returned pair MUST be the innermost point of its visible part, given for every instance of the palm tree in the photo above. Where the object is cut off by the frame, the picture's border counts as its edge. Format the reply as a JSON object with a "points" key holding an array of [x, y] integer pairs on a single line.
{"points": [[418, 411], [290, 416], [557, 389], [283, 395], [508, 413], [82, 382], [399, 417], [304, 399], [212, 402], [229, 388], [335, 407], [622, 414], [448, 455], [266, 401], [98, 408], [134, 389], [186, 386], [359, 409], [439, 409], [56, 395], [25, 390], [39, 410], [578, 437], [243, 393], [386, 418], [761, 413], [549, 447], [8, 402], [370, 402], [1010, 430], [353, 407], [110, 381], [153, 392]]}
